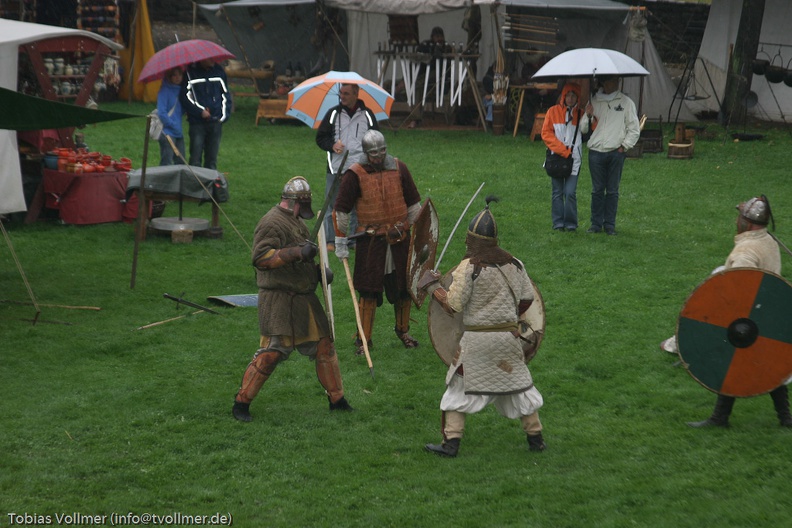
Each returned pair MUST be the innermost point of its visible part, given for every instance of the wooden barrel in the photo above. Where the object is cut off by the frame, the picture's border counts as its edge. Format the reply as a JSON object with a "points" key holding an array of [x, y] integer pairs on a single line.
{"points": [[680, 150]]}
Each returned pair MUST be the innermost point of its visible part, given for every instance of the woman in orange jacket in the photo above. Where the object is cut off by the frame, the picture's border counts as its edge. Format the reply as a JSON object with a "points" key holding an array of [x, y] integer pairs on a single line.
{"points": [[561, 134]]}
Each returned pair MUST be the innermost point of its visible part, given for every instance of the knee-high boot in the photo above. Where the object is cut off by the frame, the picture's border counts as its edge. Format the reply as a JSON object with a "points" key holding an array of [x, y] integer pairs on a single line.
{"points": [[781, 403], [257, 372], [368, 309], [720, 414], [402, 312], [329, 375]]}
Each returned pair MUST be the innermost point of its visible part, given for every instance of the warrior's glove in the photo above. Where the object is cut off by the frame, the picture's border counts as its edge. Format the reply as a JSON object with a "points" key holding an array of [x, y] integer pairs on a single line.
{"points": [[328, 273], [429, 281], [342, 247], [305, 252]]}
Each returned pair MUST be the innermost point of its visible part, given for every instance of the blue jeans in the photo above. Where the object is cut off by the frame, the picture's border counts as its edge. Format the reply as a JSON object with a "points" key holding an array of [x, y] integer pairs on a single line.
{"points": [[564, 205], [167, 156], [328, 220], [606, 171], [205, 142]]}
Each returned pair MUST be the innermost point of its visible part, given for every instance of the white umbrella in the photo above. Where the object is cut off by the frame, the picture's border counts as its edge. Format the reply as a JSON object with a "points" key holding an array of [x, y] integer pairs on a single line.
{"points": [[590, 62]]}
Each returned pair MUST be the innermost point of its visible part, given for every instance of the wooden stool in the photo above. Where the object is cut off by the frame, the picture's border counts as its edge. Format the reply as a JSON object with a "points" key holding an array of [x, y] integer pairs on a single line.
{"points": [[537, 126]]}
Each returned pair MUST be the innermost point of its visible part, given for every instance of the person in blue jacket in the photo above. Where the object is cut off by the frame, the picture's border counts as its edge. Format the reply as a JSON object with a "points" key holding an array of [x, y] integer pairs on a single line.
{"points": [[169, 110], [207, 101]]}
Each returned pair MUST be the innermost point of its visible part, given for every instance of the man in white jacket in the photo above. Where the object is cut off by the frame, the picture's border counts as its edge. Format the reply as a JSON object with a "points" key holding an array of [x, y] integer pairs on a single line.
{"points": [[613, 121]]}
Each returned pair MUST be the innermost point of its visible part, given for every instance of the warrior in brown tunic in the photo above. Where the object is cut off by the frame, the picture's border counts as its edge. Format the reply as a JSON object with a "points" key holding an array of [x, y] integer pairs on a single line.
{"points": [[290, 314], [387, 202]]}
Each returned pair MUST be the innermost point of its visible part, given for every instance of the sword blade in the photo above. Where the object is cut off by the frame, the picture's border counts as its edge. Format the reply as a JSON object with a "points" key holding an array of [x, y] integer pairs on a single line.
{"points": [[437, 264], [179, 300], [320, 217]]}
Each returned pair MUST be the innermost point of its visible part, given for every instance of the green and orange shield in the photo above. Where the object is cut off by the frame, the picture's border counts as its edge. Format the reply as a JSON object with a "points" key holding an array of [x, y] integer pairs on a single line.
{"points": [[735, 332]]}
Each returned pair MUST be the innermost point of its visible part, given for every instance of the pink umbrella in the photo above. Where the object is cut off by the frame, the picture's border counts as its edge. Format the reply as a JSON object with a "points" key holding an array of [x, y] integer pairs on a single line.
{"points": [[181, 54]]}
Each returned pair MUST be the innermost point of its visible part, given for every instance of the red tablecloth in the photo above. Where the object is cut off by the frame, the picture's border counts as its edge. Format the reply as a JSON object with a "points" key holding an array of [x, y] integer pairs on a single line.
{"points": [[89, 198]]}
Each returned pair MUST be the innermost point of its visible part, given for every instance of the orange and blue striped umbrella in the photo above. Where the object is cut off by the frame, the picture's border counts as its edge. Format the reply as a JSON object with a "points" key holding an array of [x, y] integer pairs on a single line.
{"points": [[310, 100]]}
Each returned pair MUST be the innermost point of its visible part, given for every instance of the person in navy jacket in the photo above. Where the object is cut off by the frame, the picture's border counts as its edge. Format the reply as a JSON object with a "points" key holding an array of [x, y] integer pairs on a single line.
{"points": [[207, 101]]}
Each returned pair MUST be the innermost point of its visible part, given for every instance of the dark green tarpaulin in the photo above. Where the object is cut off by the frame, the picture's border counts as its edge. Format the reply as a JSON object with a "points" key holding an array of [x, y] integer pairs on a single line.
{"points": [[25, 112]]}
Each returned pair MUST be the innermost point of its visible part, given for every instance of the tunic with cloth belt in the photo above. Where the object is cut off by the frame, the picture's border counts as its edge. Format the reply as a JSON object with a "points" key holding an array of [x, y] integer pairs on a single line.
{"points": [[382, 199], [489, 353], [287, 301]]}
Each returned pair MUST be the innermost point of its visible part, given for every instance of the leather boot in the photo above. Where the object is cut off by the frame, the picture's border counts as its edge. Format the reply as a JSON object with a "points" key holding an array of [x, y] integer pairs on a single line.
{"points": [[449, 448], [781, 403], [340, 405], [720, 415], [241, 411], [536, 442]]}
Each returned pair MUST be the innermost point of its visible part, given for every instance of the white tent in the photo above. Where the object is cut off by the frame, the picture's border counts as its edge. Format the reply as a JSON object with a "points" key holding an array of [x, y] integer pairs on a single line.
{"points": [[775, 41], [14, 34], [585, 23]]}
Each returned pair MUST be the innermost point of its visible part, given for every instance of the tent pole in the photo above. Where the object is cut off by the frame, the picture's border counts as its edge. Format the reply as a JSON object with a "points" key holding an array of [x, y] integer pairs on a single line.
{"points": [[132, 39], [21, 272], [244, 53]]}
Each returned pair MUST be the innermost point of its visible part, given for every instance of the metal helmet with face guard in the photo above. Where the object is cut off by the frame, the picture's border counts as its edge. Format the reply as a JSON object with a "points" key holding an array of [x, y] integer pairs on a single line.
{"points": [[756, 210], [297, 191], [375, 147]]}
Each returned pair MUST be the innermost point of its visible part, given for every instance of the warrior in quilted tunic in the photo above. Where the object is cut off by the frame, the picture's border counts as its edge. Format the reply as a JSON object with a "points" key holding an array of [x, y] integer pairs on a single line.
{"points": [[754, 247], [290, 314], [492, 290], [387, 202]]}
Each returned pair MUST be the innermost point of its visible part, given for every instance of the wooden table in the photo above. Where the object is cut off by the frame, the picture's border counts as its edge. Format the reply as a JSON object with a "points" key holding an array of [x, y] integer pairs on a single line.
{"points": [[253, 74], [82, 198], [272, 109]]}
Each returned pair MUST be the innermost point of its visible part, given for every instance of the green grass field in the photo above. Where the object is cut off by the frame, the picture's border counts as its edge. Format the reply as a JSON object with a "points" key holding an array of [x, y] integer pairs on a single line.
{"points": [[99, 417]]}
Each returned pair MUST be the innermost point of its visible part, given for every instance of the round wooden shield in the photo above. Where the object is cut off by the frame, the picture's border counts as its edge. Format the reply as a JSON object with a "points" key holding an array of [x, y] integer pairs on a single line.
{"points": [[445, 331], [734, 333], [423, 249]]}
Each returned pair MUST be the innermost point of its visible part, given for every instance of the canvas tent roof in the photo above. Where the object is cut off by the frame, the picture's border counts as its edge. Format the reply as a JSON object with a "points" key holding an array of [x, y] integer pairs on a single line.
{"points": [[14, 34], [257, 31], [585, 23], [720, 34]]}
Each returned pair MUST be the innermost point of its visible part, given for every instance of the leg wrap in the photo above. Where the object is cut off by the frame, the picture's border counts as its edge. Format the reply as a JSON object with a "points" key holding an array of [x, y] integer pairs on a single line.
{"points": [[531, 424], [368, 308], [453, 424], [402, 312], [327, 370], [257, 372]]}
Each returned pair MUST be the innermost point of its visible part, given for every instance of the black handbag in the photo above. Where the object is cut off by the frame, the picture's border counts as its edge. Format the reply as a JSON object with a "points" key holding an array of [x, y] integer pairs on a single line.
{"points": [[556, 165]]}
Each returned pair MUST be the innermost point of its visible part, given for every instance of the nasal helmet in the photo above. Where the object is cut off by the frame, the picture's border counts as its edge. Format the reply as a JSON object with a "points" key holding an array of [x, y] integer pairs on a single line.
{"points": [[298, 191]]}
